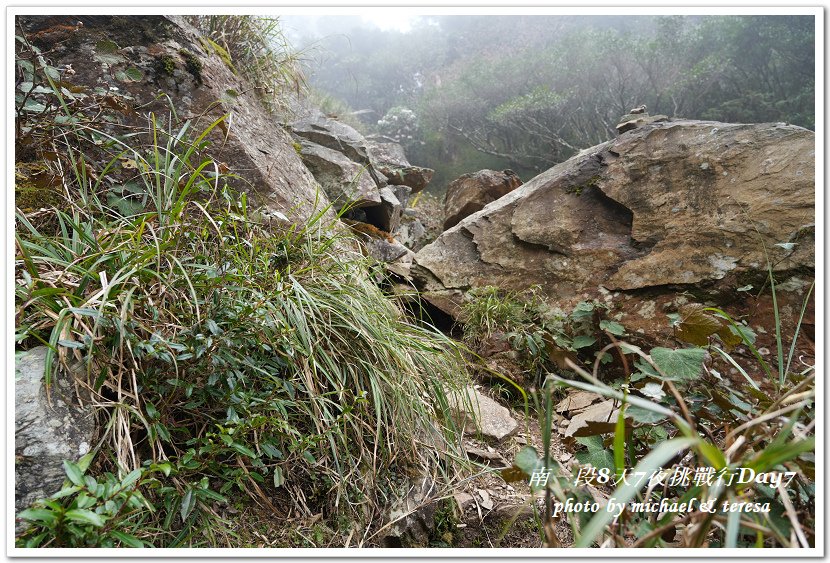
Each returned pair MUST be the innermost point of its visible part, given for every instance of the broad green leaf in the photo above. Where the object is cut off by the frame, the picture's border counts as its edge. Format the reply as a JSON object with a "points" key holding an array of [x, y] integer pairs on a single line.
{"points": [[188, 502], [127, 539], [74, 473], [528, 460], [613, 327], [134, 74], [583, 341], [599, 459], [646, 368], [85, 517], [244, 450], [131, 478], [643, 416], [583, 310], [212, 495], [165, 467], [83, 500], [37, 540], [48, 517], [66, 491], [683, 364], [271, 451], [34, 106]]}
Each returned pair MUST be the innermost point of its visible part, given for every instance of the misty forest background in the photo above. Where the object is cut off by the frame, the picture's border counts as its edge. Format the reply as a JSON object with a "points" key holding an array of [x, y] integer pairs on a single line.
{"points": [[462, 93]]}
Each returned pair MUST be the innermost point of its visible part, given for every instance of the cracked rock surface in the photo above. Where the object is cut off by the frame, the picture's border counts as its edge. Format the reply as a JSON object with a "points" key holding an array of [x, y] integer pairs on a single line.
{"points": [[671, 203]]}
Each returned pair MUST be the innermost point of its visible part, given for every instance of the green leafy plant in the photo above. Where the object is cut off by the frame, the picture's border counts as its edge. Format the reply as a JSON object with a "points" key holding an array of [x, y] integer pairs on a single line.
{"points": [[90, 512], [544, 337], [256, 360], [677, 412]]}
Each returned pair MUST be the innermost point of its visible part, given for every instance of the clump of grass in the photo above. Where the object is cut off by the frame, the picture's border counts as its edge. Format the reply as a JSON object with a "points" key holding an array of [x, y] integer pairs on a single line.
{"points": [[256, 47], [489, 309], [224, 358]]}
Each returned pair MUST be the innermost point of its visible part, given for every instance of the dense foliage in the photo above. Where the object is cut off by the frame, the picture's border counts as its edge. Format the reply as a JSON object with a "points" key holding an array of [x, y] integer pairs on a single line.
{"points": [[675, 411], [231, 360], [529, 91]]}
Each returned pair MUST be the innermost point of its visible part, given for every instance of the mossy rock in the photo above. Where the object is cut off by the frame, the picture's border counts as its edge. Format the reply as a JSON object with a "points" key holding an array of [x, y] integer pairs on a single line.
{"points": [[36, 187], [212, 46], [192, 64], [165, 64]]}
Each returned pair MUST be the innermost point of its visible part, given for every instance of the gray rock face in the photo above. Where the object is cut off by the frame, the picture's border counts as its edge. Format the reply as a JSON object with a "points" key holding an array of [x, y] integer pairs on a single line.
{"points": [[480, 413], [378, 244], [389, 159], [666, 204], [344, 181], [387, 214], [412, 232], [334, 135], [413, 517], [109, 52], [384, 250], [353, 171], [633, 121], [471, 192], [45, 434]]}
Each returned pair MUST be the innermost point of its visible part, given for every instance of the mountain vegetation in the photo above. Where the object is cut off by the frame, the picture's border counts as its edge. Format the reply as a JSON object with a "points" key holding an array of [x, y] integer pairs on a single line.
{"points": [[218, 310], [526, 92]]}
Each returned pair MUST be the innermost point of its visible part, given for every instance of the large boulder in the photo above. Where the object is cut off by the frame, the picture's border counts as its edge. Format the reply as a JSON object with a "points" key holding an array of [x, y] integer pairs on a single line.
{"points": [[345, 182], [332, 134], [143, 65], [354, 171], [681, 203], [48, 428], [633, 121], [471, 192], [389, 159]]}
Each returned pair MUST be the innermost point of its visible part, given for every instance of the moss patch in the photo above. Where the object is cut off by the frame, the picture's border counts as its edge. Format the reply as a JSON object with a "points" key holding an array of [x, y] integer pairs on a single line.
{"points": [[577, 190], [35, 187], [367, 229], [165, 64], [192, 64]]}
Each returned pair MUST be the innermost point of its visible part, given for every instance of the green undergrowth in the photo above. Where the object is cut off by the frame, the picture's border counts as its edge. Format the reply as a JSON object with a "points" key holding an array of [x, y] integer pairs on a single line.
{"points": [[712, 422], [226, 359]]}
